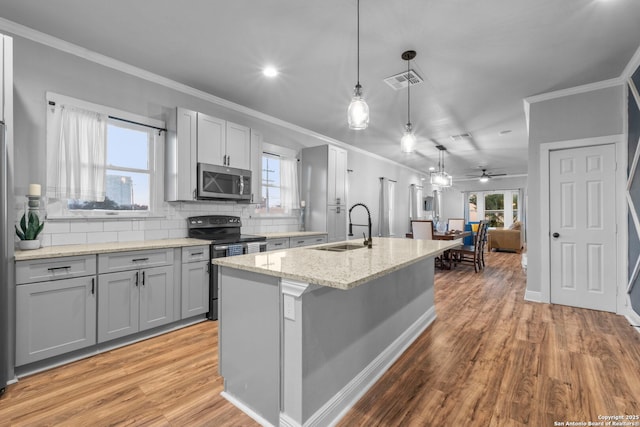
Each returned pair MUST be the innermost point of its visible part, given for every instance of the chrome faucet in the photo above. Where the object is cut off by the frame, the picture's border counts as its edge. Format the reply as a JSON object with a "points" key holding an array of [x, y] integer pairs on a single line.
{"points": [[367, 242]]}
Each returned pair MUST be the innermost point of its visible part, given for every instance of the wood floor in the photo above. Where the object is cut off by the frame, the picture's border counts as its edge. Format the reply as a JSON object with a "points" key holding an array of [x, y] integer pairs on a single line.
{"points": [[490, 359]]}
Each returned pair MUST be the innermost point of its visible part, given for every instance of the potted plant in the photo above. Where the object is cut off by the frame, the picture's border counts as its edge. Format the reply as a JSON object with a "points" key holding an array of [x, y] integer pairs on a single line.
{"points": [[29, 230]]}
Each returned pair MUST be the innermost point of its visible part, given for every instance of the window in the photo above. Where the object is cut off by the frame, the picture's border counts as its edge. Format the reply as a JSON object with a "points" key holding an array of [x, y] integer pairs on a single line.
{"points": [[128, 170], [494, 209], [100, 160], [498, 208], [279, 192], [271, 201]]}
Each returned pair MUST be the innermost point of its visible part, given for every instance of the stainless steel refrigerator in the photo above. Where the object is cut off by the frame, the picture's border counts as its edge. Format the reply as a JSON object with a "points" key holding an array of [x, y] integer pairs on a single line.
{"points": [[6, 251]]}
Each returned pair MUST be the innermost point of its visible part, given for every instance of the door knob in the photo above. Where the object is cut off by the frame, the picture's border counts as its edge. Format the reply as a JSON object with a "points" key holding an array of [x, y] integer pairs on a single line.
{"points": [[556, 235]]}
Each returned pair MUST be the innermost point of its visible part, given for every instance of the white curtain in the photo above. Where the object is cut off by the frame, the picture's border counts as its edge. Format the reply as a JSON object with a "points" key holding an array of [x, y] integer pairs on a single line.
{"points": [[76, 154], [290, 197], [387, 207]]}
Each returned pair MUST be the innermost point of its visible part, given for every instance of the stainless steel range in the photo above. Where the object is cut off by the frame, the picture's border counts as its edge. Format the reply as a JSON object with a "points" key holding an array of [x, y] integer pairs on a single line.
{"points": [[226, 240]]}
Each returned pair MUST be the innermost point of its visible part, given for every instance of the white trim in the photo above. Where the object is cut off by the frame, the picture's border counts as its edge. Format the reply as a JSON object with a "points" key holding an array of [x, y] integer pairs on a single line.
{"points": [[633, 64], [73, 49], [247, 410], [336, 407], [295, 288], [618, 81], [620, 144], [633, 318], [532, 296]]}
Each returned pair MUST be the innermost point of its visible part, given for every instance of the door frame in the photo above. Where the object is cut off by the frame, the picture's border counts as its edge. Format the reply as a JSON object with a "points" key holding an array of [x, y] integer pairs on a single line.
{"points": [[619, 142]]}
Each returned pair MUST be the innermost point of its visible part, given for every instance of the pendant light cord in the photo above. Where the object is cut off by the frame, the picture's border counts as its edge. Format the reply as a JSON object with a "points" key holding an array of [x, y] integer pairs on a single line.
{"points": [[358, 44], [408, 94]]}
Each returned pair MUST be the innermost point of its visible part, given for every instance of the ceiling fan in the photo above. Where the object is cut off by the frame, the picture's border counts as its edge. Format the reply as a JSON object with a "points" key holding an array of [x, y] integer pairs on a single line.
{"points": [[485, 177]]}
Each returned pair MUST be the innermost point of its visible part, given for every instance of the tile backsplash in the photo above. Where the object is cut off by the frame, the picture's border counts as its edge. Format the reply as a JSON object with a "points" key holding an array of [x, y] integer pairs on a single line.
{"points": [[170, 222]]}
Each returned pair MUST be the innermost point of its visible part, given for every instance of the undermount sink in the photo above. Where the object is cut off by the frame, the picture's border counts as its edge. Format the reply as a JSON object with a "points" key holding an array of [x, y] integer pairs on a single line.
{"points": [[341, 247]]}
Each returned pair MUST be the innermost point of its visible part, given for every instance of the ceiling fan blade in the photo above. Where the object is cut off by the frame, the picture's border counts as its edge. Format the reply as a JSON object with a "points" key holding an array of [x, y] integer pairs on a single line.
{"points": [[497, 174]]}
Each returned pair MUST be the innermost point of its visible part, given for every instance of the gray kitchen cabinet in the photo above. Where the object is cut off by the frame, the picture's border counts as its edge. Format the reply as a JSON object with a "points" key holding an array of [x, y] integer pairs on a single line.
{"points": [[297, 242], [277, 244], [324, 189], [195, 281], [134, 294], [55, 309]]}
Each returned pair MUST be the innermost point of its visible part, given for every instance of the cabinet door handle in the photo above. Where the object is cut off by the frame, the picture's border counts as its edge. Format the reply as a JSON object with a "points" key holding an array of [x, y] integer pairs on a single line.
{"points": [[228, 160], [224, 160], [143, 278], [66, 267], [208, 268], [137, 278], [140, 259], [194, 194], [93, 285]]}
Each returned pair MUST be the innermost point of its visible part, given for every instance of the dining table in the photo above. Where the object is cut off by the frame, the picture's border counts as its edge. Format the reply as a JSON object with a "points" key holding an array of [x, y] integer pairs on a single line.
{"points": [[446, 262]]}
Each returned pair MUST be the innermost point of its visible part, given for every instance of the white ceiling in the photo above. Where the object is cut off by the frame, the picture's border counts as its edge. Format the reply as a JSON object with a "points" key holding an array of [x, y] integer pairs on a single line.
{"points": [[479, 60]]}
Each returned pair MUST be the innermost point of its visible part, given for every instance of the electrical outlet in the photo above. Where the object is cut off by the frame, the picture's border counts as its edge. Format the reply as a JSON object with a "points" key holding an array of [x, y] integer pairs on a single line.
{"points": [[289, 307]]}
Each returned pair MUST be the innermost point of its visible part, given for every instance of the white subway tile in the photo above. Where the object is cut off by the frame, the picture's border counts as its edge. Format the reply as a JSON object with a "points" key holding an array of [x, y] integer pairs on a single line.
{"points": [[102, 237], [86, 226], [118, 226], [156, 234], [130, 236], [68, 239], [54, 227]]}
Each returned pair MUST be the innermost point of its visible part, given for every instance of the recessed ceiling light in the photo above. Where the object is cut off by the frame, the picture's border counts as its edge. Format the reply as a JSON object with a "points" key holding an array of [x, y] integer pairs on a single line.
{"points": [[270, 71]]}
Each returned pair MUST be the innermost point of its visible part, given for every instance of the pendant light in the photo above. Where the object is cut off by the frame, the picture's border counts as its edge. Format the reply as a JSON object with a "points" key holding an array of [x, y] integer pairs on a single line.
{"points": [[408, 141], [358, 111], [441, 178]]}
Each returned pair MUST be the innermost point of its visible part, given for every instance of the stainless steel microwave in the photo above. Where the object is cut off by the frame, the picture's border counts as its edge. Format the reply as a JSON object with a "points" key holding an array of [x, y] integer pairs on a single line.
{"points": [[223, 183]]}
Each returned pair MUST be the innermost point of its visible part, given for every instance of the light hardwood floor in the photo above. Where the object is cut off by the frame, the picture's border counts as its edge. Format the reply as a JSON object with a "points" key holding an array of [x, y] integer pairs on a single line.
{"points": [[490, 359]]}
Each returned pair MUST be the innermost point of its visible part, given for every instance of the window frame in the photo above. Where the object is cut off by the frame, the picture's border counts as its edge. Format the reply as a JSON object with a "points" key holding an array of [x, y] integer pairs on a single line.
{"points": [[281, 152], [57, 209]]}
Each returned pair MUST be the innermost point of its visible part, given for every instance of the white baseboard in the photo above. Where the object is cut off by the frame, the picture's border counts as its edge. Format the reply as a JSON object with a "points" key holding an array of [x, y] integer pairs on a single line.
{"points": [[244, 408], [633, 318], [336, 407], [533, 296]]}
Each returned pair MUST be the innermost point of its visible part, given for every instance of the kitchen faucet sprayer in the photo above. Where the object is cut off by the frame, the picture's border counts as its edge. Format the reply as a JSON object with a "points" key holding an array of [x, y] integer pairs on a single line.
{"points": [[368, 242]]}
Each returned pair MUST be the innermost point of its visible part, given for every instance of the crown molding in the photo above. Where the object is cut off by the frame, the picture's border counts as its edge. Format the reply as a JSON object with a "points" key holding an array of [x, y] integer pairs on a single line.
{"points": [[618, 81], [107, 61]]}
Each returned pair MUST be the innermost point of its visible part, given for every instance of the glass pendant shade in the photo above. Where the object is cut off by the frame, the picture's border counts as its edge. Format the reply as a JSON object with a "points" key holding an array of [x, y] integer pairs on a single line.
{"points": [[408, 140], [441, 179], [358, 111]]}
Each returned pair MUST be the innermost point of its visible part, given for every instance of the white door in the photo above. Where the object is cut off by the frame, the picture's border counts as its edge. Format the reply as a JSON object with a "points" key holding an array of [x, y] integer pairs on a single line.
{"points": [[582, 225]]}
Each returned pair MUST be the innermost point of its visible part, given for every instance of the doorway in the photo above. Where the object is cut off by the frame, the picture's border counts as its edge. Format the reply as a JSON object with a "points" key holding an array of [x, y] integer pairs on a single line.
{"points": [[582, 227]]}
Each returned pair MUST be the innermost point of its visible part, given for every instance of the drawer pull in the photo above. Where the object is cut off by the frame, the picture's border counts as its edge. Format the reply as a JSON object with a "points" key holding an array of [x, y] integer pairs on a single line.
{"points": [[300, 242], [140, 259], [143, 278], [137, 273], [278, 244], [197, 253], [66, 267]]}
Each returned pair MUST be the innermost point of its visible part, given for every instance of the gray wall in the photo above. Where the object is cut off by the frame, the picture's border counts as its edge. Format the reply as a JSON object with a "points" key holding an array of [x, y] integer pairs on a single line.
{"points": [[634, 192], [584, 115], [39, 69]]}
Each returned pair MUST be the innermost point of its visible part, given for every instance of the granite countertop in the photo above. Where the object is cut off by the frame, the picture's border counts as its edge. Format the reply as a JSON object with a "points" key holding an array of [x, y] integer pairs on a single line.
{"points": [[283, 234], [100, 248], [342, 270]]}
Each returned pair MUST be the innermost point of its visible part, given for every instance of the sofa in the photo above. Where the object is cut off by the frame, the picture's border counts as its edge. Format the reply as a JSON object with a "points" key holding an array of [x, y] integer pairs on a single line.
{"points": [[508, 239]]}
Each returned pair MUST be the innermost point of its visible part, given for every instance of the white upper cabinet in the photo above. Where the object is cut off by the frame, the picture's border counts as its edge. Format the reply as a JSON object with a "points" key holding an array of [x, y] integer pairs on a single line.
{"points": [[1, 78], [238, 146], [336, 176], [211, 140], [223, 143], [6, 79]]}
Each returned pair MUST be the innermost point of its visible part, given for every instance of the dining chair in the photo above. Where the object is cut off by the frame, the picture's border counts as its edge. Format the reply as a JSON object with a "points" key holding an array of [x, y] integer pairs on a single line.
{"points": [[422, 229], [455, 224], [472, 254]]}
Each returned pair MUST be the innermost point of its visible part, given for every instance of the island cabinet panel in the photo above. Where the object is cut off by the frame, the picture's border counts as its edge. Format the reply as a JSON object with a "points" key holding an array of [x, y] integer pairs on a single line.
{"points": [[54, 317], [249, 344]]}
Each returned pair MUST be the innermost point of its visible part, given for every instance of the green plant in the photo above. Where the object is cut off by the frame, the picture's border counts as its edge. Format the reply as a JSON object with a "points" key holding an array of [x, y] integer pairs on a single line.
{"points": [[29, 230]]}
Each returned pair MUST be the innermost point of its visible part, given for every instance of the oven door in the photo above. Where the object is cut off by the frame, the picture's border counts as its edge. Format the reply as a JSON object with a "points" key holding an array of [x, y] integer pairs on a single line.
{"points": [[220, 182]]}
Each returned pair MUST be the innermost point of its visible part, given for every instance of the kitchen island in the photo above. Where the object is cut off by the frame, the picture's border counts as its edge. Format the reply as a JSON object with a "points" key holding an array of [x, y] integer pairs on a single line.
{"points": [[305, 332]]}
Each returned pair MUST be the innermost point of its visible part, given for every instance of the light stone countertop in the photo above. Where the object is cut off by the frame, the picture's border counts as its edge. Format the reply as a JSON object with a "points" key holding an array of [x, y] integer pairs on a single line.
{"points": [[342, 270], [283, 234], [100, 248]]}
